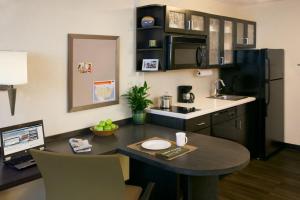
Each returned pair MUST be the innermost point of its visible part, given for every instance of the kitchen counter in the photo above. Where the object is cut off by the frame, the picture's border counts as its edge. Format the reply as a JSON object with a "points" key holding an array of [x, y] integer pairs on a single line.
{"points": [[206, 106]]}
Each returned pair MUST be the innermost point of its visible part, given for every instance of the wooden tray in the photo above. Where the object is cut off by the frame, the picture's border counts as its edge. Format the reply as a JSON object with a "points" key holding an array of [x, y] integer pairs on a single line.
{"points": [[137, 146]]}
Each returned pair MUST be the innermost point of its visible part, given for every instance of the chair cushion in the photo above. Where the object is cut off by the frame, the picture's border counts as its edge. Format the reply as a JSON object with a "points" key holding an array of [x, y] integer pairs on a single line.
{"points": [[132, 192]]}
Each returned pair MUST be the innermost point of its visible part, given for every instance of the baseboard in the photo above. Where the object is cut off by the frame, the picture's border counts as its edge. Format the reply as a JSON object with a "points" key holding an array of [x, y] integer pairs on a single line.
{"points": [[292, 146]]}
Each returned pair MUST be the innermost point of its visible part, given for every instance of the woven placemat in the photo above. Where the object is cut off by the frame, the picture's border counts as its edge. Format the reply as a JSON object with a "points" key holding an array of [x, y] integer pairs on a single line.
{"points": [[138, 147]]}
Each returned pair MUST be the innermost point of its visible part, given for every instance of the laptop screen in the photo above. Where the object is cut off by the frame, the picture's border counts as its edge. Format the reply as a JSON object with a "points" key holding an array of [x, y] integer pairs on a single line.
{"points": [[22, 138]]}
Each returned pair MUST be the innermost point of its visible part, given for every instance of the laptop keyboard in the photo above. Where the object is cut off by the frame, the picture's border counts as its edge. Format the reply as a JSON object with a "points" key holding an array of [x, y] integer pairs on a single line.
{"points": [[20, 160]]}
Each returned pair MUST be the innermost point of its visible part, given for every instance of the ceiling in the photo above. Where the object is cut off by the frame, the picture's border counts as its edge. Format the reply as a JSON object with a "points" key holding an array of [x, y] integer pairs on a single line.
{"points": [[247, 2]]}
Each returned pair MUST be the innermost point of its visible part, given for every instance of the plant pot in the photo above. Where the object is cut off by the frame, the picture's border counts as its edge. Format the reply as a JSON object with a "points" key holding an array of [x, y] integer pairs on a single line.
{"points": [[139, 117]]}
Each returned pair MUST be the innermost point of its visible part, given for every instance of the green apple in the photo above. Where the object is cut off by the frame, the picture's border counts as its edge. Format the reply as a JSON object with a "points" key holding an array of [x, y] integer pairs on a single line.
{"points": [[102, 123], [113, 126], [107, 128], [108, 121], [98, 128]]}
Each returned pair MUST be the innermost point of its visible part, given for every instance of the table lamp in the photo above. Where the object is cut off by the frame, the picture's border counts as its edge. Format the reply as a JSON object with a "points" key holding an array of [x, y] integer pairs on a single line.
{"points": [[13, 71]]}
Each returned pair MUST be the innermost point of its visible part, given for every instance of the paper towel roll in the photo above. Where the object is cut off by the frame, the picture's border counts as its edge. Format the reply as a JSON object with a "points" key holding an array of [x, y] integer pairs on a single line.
{"points": [[204, 72]]}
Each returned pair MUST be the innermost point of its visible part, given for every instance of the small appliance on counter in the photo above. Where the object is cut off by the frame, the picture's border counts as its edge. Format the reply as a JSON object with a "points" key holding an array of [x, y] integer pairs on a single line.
{"points": [[165, 102], [185, 95], [178, 109]]}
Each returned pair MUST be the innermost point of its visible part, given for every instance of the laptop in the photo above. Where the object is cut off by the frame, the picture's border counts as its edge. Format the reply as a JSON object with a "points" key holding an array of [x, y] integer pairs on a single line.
{"points": [[17, 140]]}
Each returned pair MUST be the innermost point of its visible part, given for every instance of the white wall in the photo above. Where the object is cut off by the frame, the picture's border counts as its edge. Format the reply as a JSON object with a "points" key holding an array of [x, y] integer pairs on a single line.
{"points": [[163, 82], [41, 28], [278, 27]]}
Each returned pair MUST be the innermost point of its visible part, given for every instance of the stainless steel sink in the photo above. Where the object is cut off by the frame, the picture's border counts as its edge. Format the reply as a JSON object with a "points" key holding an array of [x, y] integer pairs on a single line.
{"points": [[228, 97]]}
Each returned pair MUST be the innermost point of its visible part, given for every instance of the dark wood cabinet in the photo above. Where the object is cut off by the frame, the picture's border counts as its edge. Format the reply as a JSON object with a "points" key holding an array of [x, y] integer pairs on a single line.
{"points": [[221, 38], [233, 129], [197, 24], [245, 34], [205, 131], [227, 41], [199, 124], [224, 34], [230, 124], [185, 21], [155, 33], [214, 44]]}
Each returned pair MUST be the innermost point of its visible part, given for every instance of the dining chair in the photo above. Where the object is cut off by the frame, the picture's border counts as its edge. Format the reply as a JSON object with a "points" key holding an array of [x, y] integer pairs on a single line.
{"points": [[90, 177]]}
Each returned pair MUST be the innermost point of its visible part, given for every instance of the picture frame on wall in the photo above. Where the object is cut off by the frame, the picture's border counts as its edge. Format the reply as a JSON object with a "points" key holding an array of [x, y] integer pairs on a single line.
{"points": [[93, 71], [150, 64]]}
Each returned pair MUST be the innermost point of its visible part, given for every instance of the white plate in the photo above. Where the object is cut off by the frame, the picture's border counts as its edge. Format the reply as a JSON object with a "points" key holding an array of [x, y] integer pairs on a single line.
{"points": [[156, 144]]}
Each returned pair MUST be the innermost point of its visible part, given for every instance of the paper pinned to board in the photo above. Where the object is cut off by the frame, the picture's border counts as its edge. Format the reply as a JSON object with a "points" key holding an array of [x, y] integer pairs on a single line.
{"points": [[204, 72]]}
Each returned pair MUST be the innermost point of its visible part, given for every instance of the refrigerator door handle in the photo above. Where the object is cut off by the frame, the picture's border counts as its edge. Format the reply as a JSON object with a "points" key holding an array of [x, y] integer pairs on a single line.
{"points": [[268, 81]]}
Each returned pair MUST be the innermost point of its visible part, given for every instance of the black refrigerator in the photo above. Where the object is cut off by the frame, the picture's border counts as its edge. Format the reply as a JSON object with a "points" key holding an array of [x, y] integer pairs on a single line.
{"points": [[260, 73]]}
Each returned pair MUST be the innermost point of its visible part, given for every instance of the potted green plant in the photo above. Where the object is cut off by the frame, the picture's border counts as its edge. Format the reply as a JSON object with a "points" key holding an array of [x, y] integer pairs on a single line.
{"points": [[138, 101]]}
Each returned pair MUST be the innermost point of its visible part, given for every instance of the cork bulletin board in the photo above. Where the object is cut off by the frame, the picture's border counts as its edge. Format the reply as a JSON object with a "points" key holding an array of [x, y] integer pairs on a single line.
{"points": [[93, 71]]}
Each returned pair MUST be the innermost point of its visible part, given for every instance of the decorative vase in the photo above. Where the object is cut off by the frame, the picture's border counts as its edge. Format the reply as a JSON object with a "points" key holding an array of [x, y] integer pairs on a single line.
{"points": [[147, 21], [139, 117]]}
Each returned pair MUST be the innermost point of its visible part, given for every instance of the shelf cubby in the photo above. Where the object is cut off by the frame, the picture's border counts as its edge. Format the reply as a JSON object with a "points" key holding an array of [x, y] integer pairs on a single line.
{"points": [[144, 35]]}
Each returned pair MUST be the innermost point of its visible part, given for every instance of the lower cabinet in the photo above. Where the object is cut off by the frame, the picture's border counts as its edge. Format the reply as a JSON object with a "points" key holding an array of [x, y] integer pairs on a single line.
{"points": [[233, 129], [232, 124], [205, 131], [199, 124]]}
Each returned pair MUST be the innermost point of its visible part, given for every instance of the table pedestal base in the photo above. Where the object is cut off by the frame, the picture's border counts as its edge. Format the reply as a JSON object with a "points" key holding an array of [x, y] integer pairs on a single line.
{"points": [[200, 187], [172, 186]]}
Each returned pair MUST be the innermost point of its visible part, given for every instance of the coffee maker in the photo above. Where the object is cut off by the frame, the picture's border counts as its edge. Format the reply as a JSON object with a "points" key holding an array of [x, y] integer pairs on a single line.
{"points": [[184, 94]]}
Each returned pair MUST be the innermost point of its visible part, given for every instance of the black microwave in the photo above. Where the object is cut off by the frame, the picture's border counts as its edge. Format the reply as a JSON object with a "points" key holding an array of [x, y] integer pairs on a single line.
{"points": [[185, 52]]}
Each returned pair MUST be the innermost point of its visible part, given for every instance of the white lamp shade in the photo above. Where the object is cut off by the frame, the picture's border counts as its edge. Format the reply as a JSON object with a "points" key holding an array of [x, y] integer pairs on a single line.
{"points": [[13, 68]]}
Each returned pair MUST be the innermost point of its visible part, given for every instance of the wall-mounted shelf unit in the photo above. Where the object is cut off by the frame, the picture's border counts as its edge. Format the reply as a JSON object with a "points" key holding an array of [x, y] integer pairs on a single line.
{"points": [[145, 35], [149, 28]]}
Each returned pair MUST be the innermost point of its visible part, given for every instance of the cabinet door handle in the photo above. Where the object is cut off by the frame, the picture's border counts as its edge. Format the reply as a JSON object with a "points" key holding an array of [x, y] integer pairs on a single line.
{"points": [[201, 124], [189, 24], [238, 124], [247, 40], [222, 60]]}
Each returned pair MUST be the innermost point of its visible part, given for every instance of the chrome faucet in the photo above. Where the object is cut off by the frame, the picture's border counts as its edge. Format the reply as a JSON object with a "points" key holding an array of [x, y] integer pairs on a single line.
{"points": [[217, 87]]}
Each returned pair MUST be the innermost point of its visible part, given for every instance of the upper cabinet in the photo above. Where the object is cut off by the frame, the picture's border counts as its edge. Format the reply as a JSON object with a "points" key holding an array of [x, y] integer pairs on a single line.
{"points": [[228, 37], [221, 36], [214, 41], [197, 22], [245, 34], [185, 21]]}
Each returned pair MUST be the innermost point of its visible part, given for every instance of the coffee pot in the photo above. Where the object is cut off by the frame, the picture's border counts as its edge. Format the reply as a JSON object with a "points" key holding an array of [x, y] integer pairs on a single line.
{"points": [[185, 95]]}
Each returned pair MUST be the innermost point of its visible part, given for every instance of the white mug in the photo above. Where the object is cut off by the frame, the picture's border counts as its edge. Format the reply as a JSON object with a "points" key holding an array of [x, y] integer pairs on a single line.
{"points": [[181, 139]]}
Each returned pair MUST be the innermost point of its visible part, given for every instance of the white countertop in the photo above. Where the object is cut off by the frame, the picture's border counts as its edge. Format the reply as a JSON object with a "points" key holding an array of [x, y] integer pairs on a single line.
{"points": [[206, 106]]}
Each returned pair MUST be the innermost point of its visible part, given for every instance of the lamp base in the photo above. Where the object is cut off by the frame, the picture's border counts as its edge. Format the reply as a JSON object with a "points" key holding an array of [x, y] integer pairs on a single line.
{"points": [[12, 92]]}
